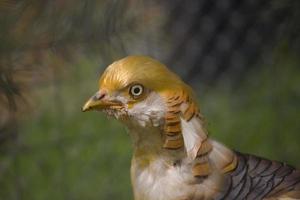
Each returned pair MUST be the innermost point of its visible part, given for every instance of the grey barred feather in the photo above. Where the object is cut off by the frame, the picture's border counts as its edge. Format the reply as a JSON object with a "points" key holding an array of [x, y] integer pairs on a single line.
{"points": [[257, 178]]}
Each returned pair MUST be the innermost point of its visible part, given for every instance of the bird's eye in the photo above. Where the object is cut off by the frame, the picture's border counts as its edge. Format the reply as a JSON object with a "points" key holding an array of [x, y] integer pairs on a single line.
{"points": [[136, 90]]}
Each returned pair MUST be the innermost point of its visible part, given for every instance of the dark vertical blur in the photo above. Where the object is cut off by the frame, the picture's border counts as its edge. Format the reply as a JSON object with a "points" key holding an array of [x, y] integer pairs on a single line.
{"points": [[227, 38]]}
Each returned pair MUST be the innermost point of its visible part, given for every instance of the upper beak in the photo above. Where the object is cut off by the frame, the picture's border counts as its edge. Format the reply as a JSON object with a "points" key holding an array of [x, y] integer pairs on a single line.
{"points": [[98, 102]]}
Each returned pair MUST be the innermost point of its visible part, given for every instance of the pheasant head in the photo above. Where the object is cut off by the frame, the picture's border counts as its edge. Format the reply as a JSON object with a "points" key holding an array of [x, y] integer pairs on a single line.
{"points": [[141, 91], [157, 106]]}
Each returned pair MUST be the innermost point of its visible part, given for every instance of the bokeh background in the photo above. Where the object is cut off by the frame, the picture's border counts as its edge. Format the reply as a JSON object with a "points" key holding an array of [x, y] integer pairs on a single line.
{"points": [[241, 57]]}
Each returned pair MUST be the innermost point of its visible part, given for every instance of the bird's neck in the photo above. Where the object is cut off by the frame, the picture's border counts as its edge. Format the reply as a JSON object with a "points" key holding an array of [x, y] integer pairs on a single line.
{"points": [[148, 145]]}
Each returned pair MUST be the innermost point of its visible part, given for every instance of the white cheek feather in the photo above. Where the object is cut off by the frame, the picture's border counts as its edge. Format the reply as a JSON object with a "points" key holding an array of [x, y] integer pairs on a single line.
{"points": [[193, 135], [150, 110]]}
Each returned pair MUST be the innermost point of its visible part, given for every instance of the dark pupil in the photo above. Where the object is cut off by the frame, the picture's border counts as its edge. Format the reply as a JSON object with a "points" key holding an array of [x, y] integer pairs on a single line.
{"points": [[136, 90]]}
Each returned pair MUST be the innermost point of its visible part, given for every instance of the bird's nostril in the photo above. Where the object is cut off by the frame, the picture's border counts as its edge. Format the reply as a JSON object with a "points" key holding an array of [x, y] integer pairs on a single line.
{"points": [[101, 96], [98, 96]]}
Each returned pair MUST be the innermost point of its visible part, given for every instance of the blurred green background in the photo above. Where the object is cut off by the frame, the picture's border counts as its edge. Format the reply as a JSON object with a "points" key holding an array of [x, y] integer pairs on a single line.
{"points": [[241, 57]]}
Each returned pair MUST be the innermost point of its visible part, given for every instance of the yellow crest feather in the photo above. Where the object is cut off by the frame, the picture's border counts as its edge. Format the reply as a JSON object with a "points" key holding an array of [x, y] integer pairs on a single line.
{"points": [[144, 70]]}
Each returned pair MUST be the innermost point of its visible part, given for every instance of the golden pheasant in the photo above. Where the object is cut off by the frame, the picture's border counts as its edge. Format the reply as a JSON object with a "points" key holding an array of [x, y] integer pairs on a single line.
{"points": [[174, 159]]}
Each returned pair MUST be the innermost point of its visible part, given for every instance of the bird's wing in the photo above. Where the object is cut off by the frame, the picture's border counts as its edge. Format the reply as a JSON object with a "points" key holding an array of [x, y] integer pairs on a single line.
{"points": [[256, 178]]}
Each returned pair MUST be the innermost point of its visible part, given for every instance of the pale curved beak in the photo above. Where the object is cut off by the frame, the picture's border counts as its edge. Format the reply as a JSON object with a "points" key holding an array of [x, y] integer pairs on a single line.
{"points": [[98, 102]]}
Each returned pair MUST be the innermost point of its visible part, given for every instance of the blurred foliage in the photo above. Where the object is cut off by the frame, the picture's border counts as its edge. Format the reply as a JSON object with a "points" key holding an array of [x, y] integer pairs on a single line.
{"points": [[65, 154], [52, 52], [261, 116]]}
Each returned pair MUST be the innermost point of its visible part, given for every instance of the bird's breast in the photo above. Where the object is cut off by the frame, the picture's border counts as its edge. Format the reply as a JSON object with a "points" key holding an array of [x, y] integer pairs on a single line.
{"points": [[156, 179], [159, 179]]}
